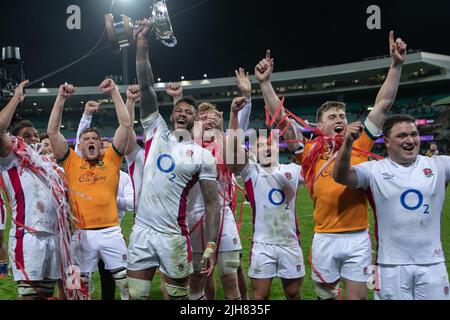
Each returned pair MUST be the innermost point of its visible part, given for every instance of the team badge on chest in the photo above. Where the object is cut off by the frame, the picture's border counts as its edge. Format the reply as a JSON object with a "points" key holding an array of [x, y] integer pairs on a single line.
{"points": [[428, 172]]}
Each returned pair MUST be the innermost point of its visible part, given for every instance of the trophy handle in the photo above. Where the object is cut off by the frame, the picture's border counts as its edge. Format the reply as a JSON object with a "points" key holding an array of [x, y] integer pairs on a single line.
{"points": [[127, 25], [109, 20], [169, 43], [120, 34]]}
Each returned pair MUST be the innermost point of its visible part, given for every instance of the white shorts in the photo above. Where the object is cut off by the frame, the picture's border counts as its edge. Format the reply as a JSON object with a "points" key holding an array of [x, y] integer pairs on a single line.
{"points": [[106, 244], [413, 282], [36, 255], [148, 249], [229, 240], [268, 261], [341, 255]]}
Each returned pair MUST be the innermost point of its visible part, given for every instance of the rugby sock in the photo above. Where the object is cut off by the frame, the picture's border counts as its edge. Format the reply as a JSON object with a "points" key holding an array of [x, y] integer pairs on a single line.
{"points": [[120, 278], [197, 296]]}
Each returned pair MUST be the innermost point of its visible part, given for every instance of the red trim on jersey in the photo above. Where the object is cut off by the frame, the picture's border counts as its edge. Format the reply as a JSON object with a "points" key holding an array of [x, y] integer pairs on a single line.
{"points": [[2, 203], [182, 213], [374, 209], [251, 196], [148, 145], [131, 171], [20, 216]]}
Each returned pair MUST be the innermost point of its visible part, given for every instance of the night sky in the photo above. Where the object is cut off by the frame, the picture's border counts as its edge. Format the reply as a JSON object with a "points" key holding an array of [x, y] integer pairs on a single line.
{"points": [[217, 36]]}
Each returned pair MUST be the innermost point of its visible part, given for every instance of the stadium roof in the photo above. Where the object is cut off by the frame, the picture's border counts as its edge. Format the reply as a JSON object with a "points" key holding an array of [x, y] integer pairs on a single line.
{"points": [[420, 67], [442, 102]]}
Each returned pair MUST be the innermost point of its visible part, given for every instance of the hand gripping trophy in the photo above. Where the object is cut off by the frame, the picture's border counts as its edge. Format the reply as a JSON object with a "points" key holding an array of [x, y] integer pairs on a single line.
{"points": [[122, 34]]}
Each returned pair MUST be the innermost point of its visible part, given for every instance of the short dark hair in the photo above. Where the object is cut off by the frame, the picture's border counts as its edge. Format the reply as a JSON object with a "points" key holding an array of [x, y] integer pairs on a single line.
{"points": [[392, 121], [43, 135], [87, 130], [189, 100], [20, 125], [328, 106]]}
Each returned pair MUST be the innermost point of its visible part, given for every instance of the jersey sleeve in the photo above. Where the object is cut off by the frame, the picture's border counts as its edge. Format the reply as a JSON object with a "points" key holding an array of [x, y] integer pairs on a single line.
{"points": [[244, 116], [153, 124], [68, 160], [370, 135], [445, 161], [246, 172], [301, 181], [114, 155], [208, 167], [134, 155], [363, 175], [299, 157]]}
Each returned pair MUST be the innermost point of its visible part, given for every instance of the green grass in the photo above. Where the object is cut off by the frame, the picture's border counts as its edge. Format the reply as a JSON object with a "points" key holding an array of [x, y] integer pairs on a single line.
{"points": [[8, 289]]}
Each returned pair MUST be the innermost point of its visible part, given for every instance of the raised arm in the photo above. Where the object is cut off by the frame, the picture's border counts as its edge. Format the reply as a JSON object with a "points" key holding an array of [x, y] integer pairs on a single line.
{"points": [[175, 90], [263, 71], [237, 156], [123, 132], [133, 95], [210, 194], [149, 104], [6, 116], [90, 108], [343, 172], [245, 86], [386, 96], [57, 140]]}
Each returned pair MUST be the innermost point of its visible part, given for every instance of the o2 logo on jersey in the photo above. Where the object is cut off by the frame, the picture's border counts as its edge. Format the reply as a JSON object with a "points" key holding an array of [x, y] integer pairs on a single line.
{"points": [[412, 200], [277, 198], [166, 164]]}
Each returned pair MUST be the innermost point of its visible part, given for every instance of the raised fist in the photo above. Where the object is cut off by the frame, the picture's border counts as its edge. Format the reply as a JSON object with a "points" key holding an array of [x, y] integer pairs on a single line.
{"points": [[238, 104], [175, 90], [107, 86], [353, 131], [133, 92], [19, 92], [91, 107], [66, 91]]}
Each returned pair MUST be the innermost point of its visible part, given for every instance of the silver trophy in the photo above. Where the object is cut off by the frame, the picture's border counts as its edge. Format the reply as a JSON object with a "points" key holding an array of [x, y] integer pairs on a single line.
{"points": [[122, 33]]}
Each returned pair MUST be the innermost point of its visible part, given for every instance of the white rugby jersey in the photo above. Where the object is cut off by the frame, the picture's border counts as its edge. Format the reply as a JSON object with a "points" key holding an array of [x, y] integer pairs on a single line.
{"points": [[196, 209], [272, 193], [135, 163], [196, 205], [125, 195], [171, 169], [407, 204], [32, 204]]}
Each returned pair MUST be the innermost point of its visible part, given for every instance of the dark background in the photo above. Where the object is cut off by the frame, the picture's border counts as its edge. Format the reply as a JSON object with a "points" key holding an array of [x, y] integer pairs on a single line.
{"points": [[217, 36]]}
